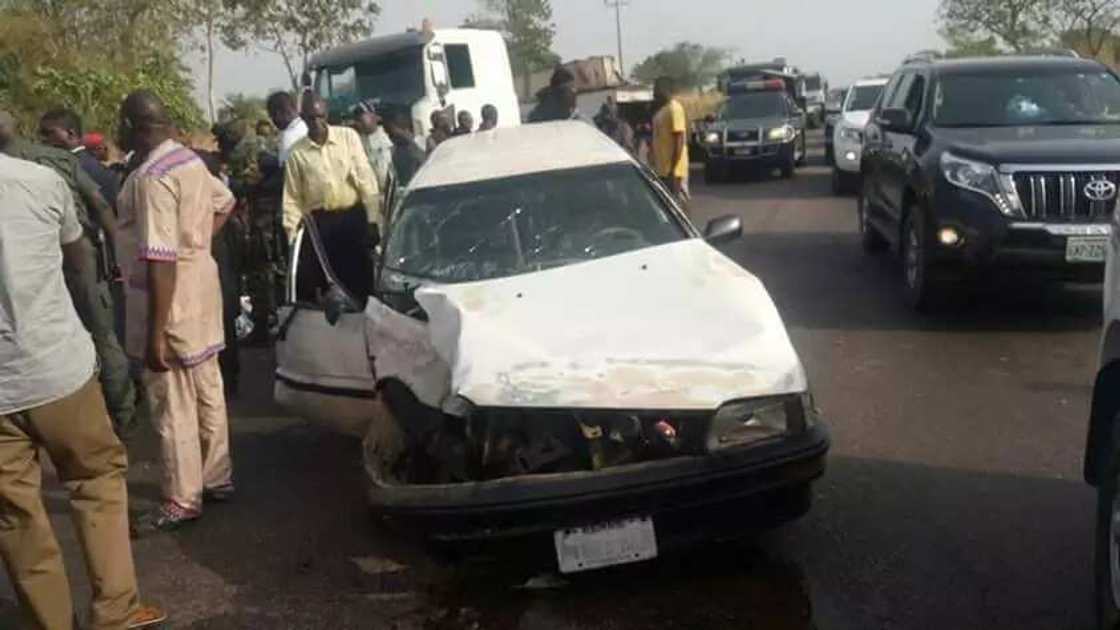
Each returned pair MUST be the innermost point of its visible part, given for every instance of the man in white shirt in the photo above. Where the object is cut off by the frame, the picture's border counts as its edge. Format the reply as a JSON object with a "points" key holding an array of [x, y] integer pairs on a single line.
{"points": [[378, 146], [284, 112], [50, 400]]}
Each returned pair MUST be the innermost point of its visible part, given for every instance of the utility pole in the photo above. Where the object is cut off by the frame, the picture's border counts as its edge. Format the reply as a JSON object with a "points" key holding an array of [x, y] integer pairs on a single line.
{"points": [[617, 6]]}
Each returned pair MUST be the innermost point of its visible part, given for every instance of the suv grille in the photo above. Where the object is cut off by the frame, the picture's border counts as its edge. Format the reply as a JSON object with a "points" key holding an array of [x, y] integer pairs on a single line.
{"points": [[1062, 196], [750, 135]]}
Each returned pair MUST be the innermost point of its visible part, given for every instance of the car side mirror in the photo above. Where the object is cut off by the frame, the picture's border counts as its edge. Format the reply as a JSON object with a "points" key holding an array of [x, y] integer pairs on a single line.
{"points": [[896, 119], [723, 229]]}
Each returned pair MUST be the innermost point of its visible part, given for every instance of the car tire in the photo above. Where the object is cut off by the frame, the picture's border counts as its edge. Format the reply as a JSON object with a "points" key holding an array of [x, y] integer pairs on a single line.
{"points": [[804, 152], [921, 282], [870, 239], [840, 183], [1107, 547]]}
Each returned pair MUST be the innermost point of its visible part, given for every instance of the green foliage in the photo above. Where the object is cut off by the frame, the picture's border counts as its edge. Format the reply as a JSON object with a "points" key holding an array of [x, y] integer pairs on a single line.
{"points": [[1014, 25], [240, 107], [40, 70], [689, 65], [528, 29]]}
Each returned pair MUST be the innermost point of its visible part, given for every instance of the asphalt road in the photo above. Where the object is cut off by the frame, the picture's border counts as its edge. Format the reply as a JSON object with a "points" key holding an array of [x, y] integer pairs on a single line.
{"points": [[952, 499]]}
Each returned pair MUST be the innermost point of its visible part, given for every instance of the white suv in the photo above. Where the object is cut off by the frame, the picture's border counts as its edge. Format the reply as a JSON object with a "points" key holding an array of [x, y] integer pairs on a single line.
{"points": [[847, 140]]}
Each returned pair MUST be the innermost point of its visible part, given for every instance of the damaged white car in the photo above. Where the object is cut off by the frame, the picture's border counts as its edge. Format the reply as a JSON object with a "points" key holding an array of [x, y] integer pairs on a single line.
{"points": [[554, 353]]}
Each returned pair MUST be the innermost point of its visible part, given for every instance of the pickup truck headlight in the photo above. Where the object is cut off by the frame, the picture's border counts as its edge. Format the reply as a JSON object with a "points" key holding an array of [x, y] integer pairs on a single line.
{"points": [[713, 137], [744, 422], [983, 179], [785, 133]]}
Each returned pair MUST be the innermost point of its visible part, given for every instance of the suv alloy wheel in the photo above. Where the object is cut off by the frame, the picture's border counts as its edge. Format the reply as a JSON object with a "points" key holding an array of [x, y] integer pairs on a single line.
{"points": [[920, 283], [871, 240]]}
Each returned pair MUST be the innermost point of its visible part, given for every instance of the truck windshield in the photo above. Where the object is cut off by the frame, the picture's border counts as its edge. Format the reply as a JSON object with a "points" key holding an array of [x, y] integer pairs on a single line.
{"points": [[863, 98], [396, 77], [1027, 97], [754, 105], [812, 83], [504, 227]]}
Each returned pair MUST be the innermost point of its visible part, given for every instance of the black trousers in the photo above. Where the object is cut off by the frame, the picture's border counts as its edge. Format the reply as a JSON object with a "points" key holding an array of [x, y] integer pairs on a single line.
{"points": [[345, 237]]}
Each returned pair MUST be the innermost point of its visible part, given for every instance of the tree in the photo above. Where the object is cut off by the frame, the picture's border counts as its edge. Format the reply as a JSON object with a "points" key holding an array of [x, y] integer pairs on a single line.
{"points": [[1087, 25], [212, 20], [528, 29], [296, 29], [1013, 24], [242, 107], [688, 64]]}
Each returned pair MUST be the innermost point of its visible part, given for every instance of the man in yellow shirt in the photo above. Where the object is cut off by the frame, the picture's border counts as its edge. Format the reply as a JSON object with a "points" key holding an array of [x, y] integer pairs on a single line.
{"points": [[328, 177], [670, 138]]}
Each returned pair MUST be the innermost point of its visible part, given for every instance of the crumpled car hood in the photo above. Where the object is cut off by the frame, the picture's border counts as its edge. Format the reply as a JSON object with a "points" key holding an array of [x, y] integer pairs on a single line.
{"points": [[676, 327]]}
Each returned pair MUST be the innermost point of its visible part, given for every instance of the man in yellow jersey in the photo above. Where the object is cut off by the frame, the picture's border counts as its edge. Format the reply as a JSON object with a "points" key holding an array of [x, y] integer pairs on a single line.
{"points": [[670, 139]]}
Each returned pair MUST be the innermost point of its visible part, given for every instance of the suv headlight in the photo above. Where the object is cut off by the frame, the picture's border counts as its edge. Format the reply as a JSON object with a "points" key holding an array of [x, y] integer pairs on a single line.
{"points": [[748, 421], [712, 137], [850, 134], [983, 179], [785, 133]]}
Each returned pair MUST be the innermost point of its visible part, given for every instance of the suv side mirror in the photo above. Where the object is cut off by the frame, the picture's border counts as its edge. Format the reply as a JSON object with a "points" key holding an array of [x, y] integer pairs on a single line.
{"points": [[896, 119], [723, 229]]}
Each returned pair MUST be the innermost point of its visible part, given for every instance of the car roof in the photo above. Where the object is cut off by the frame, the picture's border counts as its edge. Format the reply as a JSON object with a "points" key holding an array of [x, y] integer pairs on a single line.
{"points": [[971, 65], [872, 81], [512, 151]]}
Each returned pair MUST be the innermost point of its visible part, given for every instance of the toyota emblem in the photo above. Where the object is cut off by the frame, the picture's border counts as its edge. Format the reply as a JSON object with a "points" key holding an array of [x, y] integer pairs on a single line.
{"points": [[1100, 190]]}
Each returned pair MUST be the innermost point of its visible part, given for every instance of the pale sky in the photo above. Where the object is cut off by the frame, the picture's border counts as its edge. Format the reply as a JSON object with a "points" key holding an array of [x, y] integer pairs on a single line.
{"points": [[843, 39]]}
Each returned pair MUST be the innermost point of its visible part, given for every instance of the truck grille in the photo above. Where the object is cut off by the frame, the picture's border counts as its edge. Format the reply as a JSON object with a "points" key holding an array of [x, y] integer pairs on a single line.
{"points": [[1062, 197], [750, 135]]}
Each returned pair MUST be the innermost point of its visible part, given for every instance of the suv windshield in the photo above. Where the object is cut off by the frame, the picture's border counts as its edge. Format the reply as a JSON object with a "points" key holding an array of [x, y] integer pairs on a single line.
{"points": [[397, 78], [504, 227], [863, 98], [1028, 97], [754, 105]]}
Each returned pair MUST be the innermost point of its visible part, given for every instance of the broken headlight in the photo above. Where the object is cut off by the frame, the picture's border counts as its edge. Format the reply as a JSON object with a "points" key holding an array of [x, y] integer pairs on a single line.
{"points": [[748, 421]]}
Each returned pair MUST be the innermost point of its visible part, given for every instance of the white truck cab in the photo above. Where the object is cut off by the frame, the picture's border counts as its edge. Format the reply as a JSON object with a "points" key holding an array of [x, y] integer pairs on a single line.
{"points": [[847, 138], [421, 71]]}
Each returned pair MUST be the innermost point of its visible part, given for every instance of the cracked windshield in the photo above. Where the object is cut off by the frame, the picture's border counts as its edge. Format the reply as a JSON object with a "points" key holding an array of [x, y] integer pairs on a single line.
{"points": [[560, 315]]}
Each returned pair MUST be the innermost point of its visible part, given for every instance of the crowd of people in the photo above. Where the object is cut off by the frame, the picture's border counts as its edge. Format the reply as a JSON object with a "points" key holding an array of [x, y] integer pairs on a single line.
{"points": [[120, 285]]}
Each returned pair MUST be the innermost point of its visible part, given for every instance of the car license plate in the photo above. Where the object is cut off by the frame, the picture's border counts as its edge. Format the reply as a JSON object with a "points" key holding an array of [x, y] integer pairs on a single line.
{"points": [[607, 544], [1086, 249], [746, 151]]}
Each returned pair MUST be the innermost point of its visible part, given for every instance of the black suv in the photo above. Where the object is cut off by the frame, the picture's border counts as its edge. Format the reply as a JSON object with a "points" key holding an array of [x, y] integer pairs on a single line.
{"points": [[1009, 162], [760, 126]]}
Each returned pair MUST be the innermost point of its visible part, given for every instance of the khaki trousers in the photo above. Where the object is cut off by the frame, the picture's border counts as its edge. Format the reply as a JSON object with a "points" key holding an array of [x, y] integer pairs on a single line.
{"points": [[188, 409], [78, 437]]}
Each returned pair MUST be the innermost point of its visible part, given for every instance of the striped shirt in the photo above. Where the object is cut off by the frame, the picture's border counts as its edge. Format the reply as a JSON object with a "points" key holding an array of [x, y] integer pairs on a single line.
{"points": [[166, 211]]}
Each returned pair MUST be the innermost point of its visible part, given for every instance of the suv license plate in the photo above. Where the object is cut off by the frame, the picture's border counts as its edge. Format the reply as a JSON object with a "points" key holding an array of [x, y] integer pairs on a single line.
{"points": [[746, 151], [597, 546], [1086, 249]]}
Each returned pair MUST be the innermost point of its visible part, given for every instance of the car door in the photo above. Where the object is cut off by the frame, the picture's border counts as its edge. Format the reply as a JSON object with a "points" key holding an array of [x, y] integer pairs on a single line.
{"points": [[895, 144], [904, 142], [875, 156], [323, 370]]}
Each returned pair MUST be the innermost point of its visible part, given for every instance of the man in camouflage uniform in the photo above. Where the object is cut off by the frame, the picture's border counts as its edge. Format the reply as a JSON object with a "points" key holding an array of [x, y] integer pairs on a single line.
{"points": [[89, 286], [253, 169]]}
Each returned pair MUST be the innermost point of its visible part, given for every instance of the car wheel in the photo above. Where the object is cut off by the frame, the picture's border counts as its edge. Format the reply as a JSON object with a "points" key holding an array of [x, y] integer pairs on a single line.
{"points": [[870, 239], [839, 183], [921, 285], [1107, 555], [804, 152]]}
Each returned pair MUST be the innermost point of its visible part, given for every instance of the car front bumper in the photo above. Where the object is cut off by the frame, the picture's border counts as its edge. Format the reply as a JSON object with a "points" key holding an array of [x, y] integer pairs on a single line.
{"points": [[732, 490], [847, 157], [775, 154], [994, 240]]}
